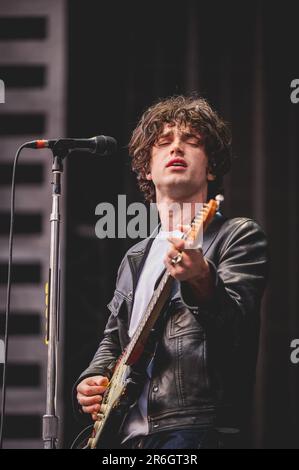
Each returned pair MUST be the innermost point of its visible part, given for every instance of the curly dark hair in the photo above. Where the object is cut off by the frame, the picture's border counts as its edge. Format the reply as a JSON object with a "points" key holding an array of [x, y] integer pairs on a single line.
{"points": [[191, 111]]}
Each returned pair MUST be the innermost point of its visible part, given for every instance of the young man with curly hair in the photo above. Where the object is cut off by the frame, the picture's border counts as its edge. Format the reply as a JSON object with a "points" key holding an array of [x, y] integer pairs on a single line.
{"points": [[198, 384]]}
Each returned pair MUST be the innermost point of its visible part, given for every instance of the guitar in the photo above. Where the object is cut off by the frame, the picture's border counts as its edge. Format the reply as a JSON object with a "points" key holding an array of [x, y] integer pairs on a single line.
{"points": [[125, 384]]}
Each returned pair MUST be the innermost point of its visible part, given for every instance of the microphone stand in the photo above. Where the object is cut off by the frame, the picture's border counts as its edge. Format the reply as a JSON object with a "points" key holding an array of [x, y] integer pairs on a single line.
{"points": [[50, 420]]}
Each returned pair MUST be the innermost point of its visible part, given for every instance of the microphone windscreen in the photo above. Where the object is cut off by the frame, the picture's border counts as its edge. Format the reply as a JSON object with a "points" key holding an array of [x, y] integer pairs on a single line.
{"points": [[105, 145]]}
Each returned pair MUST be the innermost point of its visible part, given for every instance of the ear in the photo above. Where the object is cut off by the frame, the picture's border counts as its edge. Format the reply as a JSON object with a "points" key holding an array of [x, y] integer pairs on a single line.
{"points": [[210, 176], [148, 176]]}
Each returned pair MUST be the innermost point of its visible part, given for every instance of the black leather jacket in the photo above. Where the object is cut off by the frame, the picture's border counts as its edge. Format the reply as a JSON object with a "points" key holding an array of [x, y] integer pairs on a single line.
{"points": [[204, 364]]}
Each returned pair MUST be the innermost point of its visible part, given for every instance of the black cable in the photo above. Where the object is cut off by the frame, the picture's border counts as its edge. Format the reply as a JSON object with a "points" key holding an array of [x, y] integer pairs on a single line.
{"points": [[10, 245], [86, 432]]}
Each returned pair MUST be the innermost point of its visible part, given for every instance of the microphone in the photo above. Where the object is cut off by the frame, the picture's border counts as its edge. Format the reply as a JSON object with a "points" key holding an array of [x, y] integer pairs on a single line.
{"points": [[100, 145]]}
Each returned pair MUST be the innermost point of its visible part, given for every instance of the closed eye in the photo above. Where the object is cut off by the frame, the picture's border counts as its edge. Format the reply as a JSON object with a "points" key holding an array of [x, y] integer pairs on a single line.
{"points": [[193, 141], [163, 143], [194, 144]]}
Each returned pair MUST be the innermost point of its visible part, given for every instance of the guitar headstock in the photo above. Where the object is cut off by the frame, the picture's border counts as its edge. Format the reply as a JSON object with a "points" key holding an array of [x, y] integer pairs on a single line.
{"points": [[194, 235]]}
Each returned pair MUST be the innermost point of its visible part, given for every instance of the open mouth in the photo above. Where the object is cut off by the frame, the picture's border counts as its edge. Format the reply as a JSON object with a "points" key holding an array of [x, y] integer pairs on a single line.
{"points": [[177, 162]]}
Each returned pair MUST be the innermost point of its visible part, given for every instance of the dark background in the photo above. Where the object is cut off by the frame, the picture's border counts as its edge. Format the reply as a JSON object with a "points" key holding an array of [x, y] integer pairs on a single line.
{"points": [[242, 57]]}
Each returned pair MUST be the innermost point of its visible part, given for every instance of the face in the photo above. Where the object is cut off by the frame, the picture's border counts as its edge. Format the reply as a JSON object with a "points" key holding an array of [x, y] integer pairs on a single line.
{"points": [[179, 165]]}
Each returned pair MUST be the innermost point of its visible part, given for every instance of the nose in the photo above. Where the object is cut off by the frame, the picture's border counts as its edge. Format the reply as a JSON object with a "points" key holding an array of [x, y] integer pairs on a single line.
{"points": [[177, 147]]}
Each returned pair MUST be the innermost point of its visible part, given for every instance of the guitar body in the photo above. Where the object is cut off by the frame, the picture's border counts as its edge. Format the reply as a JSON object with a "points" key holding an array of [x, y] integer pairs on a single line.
{"points": [[122, 392]]}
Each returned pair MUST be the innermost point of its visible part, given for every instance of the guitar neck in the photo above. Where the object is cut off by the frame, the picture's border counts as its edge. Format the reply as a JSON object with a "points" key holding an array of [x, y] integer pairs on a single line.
{"points": [[157, 302]]}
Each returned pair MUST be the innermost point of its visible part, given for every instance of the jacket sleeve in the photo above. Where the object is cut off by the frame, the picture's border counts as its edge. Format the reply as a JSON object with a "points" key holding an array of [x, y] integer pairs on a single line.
{"points": [[109, 349], [107, 354], [239, 269], [103, 361]]}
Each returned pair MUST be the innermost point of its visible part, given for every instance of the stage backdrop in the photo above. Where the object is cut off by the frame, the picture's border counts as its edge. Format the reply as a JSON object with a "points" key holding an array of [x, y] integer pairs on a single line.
{"points": [[242, 57]]}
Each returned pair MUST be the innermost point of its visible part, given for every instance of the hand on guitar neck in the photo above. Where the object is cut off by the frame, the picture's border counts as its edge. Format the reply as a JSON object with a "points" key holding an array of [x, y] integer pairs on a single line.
{"points": [[192, 268], [89, 394]]}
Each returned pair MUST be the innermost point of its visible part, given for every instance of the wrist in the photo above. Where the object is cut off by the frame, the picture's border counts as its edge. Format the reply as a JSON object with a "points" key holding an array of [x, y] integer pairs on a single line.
{"points": [[202, 285]]}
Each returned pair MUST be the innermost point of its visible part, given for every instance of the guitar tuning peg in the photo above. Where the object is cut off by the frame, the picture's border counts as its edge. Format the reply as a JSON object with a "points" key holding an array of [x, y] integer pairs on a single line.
{"points": [[219, 199]]}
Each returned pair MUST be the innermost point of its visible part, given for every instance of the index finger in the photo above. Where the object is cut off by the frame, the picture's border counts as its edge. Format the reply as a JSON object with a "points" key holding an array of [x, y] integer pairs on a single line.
{"points": [[178, 243], [95, 389]]}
